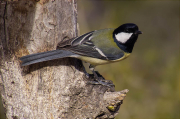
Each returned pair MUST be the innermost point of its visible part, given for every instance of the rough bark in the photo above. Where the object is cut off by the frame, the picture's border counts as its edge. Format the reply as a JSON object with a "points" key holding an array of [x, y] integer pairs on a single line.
{"points": [[53, 89]]}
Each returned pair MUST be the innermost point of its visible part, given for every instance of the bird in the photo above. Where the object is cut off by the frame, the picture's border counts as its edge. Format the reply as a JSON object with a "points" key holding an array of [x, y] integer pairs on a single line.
{"points": [[96, 47]]}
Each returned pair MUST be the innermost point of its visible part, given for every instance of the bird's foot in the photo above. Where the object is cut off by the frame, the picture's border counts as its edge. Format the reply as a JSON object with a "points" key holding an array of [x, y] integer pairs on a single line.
{"points": [[99, 79], [100, 82]]}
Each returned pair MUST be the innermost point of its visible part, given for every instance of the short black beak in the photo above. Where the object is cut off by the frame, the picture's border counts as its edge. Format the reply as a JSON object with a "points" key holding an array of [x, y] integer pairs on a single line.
{"points": [[138, 32]]}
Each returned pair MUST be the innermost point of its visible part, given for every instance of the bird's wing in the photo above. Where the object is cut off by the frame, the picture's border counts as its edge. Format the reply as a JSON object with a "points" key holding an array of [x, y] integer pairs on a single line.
{"points": [[75, 41], [94, 44]]}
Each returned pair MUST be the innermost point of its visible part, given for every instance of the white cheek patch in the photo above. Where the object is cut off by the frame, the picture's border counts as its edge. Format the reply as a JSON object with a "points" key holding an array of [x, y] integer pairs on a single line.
{"points": [[123, 37]]}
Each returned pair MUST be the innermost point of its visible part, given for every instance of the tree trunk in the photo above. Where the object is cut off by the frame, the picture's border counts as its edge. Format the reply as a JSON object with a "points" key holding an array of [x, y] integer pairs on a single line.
{"points": [[52, 89]]}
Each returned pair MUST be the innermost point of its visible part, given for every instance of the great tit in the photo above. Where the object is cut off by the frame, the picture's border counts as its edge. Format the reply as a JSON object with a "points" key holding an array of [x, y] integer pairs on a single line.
{"points": [[96, 47]]}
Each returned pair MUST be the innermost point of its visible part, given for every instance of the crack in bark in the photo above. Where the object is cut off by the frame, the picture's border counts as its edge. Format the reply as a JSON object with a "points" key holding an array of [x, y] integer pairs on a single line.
{"points": [[4, 24], [4, 18]]}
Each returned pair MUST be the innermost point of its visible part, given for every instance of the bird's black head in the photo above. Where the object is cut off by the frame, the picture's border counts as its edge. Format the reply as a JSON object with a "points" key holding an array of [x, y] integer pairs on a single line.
{"points": [[126, 35]]}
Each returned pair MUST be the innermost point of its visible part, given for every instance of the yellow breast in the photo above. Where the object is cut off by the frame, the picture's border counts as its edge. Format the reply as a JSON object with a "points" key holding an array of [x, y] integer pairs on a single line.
{"points": [[95, 62]]}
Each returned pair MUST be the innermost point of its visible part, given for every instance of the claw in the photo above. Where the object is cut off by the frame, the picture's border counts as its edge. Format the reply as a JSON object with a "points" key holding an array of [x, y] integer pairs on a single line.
{"points": [[99, 79], [99, 82]]}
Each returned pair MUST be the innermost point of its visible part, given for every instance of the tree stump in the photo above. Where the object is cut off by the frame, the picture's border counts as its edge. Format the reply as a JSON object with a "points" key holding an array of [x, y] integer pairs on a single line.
{"points": [[52, 89]]}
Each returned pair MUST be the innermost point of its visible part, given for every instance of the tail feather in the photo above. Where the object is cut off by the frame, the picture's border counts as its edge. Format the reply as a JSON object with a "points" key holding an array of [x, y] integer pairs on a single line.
{"points": [[45, 56]]}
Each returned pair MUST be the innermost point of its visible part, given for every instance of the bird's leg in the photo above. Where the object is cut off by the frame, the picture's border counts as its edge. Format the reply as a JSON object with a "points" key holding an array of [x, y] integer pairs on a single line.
{"points": [[99, 80], [91, 67], [87, 75]]}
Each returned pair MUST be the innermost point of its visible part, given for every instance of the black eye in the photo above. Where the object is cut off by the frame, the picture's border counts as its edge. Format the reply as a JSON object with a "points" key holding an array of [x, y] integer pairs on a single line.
{"points": [[126, 30]]}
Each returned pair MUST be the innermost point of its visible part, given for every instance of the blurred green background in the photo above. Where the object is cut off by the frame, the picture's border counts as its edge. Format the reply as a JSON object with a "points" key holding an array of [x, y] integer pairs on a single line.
{"points": [[152, 72]]}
